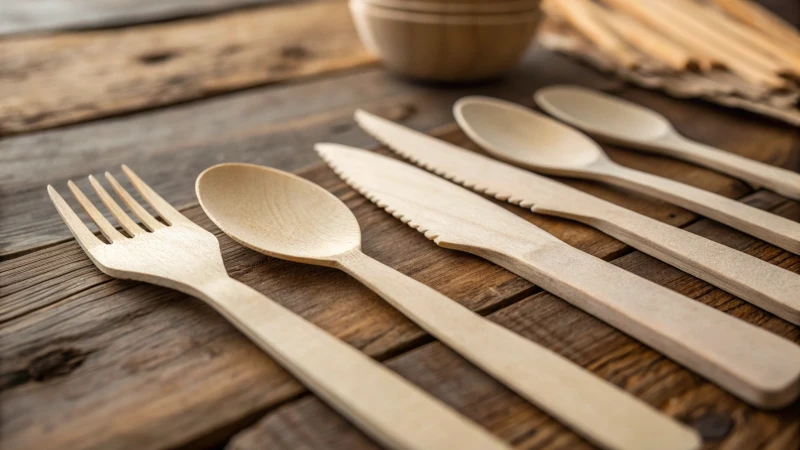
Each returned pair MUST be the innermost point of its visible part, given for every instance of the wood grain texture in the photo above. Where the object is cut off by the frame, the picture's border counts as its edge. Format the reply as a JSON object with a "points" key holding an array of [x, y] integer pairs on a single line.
{"points": [[307, 224], [135, 334], [600, 116], [723, 421], [749, 278], [446, 48], [271, 125], [182, 255], [256, 381], [72, 339], [108, 72], [21, 16], [689, 333], [509, 132]]}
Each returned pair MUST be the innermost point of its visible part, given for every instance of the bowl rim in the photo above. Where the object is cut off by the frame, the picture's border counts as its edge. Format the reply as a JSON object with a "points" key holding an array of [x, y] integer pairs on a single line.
{"points": [[458, 7], [510, 18]]}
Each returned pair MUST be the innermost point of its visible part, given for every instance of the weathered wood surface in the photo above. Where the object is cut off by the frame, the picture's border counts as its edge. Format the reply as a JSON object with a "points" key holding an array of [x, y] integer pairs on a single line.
{"points": [[25, 16], [272, 125], [91, 362], [88, 338], [108, 72]]}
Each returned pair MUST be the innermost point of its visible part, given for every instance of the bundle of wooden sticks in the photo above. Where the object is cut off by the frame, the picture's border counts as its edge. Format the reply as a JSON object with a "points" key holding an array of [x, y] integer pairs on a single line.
{"points": [[732, 52]]}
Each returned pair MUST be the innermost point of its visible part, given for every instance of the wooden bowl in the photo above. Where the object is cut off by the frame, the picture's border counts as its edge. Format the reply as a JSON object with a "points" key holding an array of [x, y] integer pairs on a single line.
{"points": [[459, 6], [445, 47]]}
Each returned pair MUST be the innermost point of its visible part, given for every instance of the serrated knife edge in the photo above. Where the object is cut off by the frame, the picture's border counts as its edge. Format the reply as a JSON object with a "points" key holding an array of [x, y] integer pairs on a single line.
{"points": [[533, 191], [369, 194]]}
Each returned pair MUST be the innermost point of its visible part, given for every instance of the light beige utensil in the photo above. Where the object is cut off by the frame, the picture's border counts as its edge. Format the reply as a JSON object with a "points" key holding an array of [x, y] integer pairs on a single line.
{"points": [[621, 122], [445, 47], [531, 140], [285, 216], [186, 257], [759, 367], [756, 281]]}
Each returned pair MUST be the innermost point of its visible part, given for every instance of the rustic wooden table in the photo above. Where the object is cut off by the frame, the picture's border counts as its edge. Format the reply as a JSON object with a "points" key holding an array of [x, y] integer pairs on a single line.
{"points": [[171, 87]]}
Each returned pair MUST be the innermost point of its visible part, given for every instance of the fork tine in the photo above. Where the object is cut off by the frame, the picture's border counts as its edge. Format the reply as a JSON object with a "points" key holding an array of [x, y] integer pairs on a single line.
{"points": [[129, 225], [97, 217], [147, 219], [167, 211], [86, 238]]}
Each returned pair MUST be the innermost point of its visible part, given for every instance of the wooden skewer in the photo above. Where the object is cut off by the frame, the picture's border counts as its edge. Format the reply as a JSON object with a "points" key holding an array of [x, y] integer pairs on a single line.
{"points": [[674, 10], [577, 14], [670, 24], [761, 19], [731, 31], [644, 39]]}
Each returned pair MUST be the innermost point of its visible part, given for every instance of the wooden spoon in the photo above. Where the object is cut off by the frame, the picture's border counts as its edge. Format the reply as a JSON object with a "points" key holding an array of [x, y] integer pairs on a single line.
{"points": [[282, 215], [617, 121], [531, 140]]}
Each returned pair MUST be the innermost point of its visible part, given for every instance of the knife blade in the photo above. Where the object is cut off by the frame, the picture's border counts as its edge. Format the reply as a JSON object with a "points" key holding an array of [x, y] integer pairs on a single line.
{"points": [[752, 363], [758, 282]]}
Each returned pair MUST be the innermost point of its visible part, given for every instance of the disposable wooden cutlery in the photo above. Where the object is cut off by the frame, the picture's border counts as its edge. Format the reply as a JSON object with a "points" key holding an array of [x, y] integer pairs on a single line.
{"points": [[285, 216], [183, 256], [759, 367], [525, 138], [756, 281], [617, 121]]}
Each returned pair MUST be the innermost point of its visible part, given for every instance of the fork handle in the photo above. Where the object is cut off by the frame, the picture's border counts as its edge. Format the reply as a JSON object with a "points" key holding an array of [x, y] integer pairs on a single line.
{"points": [[383, 404], [598, 410], [757, 366]]}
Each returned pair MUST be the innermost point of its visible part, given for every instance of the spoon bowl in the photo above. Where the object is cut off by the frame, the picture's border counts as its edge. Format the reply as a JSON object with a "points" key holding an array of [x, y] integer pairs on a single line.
{"points": [[519, 135], [603, 115], [531, 140], [621, 122], [277, 213]]}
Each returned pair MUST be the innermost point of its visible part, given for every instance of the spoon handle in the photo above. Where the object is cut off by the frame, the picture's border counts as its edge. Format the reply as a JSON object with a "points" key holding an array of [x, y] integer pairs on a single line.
{"points": [[784, 182], [759, 367], [769, 227], [382, 403], [758, 282], [596, 409]]}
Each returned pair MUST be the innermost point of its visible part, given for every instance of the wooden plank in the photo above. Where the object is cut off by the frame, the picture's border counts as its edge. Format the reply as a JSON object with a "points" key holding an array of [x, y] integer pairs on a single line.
{"points": [[22, 16], [275, 125], [42, 297], [722, 420], [104, 337], [73, 77], [196, 379]]}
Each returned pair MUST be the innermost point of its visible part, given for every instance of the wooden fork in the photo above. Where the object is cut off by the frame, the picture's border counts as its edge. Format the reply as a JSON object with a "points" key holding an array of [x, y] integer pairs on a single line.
{"points": [[183, 256]]}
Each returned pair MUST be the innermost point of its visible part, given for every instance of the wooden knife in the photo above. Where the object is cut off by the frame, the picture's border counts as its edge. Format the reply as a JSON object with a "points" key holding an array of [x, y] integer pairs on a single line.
{"points": [[759, 367], [767, 286]]}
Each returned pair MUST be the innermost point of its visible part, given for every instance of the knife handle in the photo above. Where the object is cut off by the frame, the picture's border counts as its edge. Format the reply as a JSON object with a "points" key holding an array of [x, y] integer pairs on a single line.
{"points": [[764, 225], [591, 406], [765, 285], [757, 366]]}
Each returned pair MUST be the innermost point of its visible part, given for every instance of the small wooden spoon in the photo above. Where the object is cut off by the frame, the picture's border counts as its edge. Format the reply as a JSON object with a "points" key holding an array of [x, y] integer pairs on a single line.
{"points": [[617, 121], [282, 215], [534, 141]]}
